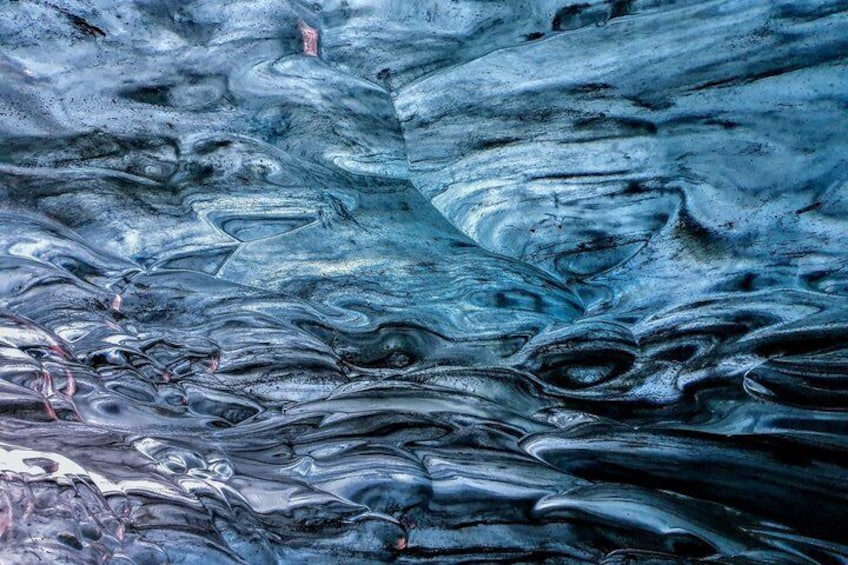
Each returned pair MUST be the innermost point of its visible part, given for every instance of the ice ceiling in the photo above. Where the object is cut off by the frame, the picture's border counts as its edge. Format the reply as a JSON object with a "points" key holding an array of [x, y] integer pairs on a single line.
{"points": [[429, 281]]}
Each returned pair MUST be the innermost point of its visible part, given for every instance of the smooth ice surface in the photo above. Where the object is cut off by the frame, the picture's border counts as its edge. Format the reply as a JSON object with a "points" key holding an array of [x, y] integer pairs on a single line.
{"points": [[434, 281]]}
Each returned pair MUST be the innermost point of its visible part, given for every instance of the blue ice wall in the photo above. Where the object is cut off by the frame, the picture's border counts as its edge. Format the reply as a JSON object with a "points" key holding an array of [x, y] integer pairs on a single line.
{"points": [[437, 281]]}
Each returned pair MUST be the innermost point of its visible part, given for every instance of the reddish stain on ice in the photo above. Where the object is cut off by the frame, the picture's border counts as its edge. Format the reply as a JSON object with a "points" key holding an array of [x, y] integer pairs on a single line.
{"points": [[310, 39], [70, 384], [28, 508], [400, 544], [47, 388], [116, 303]]}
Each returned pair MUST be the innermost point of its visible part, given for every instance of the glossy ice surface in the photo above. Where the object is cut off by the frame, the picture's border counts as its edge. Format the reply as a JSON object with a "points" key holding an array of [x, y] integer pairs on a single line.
{"points": [[435, 281]]}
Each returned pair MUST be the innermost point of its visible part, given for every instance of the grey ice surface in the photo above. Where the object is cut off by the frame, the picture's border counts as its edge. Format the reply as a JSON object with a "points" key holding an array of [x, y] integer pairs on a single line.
{"points": [[436, 281]]}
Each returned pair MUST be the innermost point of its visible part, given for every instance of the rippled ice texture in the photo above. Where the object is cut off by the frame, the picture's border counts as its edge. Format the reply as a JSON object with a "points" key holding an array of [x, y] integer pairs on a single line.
{"points": [[432, 281]]}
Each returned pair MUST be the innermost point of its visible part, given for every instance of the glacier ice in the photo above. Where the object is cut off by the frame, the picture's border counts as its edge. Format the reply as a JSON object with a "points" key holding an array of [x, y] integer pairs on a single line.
{"points": [[430, 281]]}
